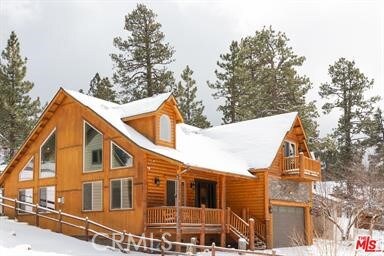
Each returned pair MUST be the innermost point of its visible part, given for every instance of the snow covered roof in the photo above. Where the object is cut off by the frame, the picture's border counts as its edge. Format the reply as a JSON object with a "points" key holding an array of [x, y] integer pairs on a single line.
{"points": [[233, 148], [143, 106]]}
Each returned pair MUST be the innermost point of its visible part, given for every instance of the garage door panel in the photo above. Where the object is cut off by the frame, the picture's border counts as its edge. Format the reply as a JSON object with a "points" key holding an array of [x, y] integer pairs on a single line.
{"points": [[288, 224]]}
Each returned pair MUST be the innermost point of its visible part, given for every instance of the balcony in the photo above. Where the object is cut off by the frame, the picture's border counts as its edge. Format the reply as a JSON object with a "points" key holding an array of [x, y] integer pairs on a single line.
{"points": [[301, 168]]}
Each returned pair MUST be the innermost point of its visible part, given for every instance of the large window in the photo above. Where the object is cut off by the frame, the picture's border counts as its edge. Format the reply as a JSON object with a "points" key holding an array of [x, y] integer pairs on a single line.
{"points": [[289, 149], [25, 195], [121, 193], [165, 128], [48, 157], [93, 149], [47, 197], [119, 157], [93, 196], [27, 172]]}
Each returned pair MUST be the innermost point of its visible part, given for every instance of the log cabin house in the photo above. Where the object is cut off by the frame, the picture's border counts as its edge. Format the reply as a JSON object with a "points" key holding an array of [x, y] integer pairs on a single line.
{"points": [[138, 167]]}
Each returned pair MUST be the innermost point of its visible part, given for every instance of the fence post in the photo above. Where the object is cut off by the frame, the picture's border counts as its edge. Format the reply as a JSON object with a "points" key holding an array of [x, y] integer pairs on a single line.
{"points": [[16, 206], [202, 230], [213, 249], [162, 245], [193, 247], [86, 227], [37, 215], [123, 240], [273, 253], [251, 234], [59, 223]]}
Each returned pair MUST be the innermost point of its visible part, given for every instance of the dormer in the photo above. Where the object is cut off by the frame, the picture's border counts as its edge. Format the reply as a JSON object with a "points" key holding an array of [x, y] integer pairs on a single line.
{"points": [[155, 118]]}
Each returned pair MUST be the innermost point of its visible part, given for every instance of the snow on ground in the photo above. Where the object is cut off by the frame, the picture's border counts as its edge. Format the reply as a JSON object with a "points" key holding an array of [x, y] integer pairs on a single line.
{"points": [[21, 239]]}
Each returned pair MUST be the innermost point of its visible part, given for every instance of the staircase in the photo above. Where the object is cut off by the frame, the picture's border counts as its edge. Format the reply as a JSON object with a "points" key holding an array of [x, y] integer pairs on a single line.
{"points": [[239, 228]]}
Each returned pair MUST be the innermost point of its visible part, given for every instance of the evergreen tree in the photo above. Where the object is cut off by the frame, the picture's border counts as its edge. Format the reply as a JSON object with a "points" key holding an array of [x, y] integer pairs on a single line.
{"points": [[271, 80], [228, 85], [141, 65], [259, 78], [375, 131], [102, 88], [18, 112], [346, 93], [185, 94]]}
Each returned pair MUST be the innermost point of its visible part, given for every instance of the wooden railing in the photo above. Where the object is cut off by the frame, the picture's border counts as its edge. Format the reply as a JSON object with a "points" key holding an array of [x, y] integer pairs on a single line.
{"points": [[238, 225], [123, 240], [260, 229], [165, 215], [301, 166]]}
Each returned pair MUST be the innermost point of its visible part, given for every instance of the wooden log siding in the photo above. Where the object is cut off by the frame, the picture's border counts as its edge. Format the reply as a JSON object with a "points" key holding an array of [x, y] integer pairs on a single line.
{"points": [[158, 168], [247, 193]]}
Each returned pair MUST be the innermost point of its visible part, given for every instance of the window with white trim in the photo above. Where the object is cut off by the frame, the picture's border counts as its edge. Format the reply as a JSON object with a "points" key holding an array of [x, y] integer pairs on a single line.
{"points": [[93, 196], [93, 149], [47, 197], [165, 128], [48, 157], [119, 157], [27, 172], [121, 193], [25, 195], [289, 149]]}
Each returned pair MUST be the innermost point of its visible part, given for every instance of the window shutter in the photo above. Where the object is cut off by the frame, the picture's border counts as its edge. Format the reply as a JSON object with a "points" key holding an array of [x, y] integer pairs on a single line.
{"points": [[97, 196], [126, 193]]}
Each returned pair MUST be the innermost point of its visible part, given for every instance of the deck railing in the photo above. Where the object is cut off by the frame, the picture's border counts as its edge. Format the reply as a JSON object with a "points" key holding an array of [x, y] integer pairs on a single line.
{"points": [[167, 215], [301, 166], [238, 225]]}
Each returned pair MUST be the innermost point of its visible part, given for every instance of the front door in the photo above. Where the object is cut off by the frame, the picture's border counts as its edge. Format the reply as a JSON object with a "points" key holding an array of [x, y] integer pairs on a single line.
{"points": [[205, 193]]}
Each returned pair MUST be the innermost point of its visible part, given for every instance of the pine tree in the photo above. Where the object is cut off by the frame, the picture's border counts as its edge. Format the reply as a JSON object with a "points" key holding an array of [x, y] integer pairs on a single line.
{"points": [[18, 112], [102, 88], [259, 78], [271, 80], [228, 85], [375, 131], [141, 65], [346, 93], [185, 94]]}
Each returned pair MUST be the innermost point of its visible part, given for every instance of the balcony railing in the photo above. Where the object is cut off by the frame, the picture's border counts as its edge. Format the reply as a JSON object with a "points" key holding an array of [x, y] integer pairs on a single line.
{"points": [[189, 216], [301, 167]]}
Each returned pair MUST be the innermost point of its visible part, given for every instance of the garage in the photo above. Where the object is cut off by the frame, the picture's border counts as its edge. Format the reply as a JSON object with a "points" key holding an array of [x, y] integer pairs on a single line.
{"points": [[288, 224]]}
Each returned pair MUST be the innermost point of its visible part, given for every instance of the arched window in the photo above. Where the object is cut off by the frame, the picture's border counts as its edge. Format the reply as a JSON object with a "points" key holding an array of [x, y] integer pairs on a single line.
{"points": [[165, 128]]}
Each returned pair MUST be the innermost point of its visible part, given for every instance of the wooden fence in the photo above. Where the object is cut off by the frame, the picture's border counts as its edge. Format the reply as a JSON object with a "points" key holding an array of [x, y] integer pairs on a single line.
{"points": [[125, 241]]}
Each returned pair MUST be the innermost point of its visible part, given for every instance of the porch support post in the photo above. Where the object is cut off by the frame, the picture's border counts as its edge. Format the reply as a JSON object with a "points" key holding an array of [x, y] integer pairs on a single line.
{"points": [[223, 212], [178, 212], [301, 164], [202, 230]]}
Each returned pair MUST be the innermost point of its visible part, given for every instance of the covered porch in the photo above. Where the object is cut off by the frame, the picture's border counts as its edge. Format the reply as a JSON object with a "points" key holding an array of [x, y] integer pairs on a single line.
{"points": [[197, 202]]}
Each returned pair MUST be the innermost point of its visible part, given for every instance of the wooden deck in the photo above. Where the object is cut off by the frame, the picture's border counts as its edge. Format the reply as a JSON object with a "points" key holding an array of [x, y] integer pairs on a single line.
{"points": [[301, 168], [193, 220]]}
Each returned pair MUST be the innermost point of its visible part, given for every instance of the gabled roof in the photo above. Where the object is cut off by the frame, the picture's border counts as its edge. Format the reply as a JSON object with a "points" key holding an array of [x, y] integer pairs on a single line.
{"points": [[233, 148], [147, 106]]}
